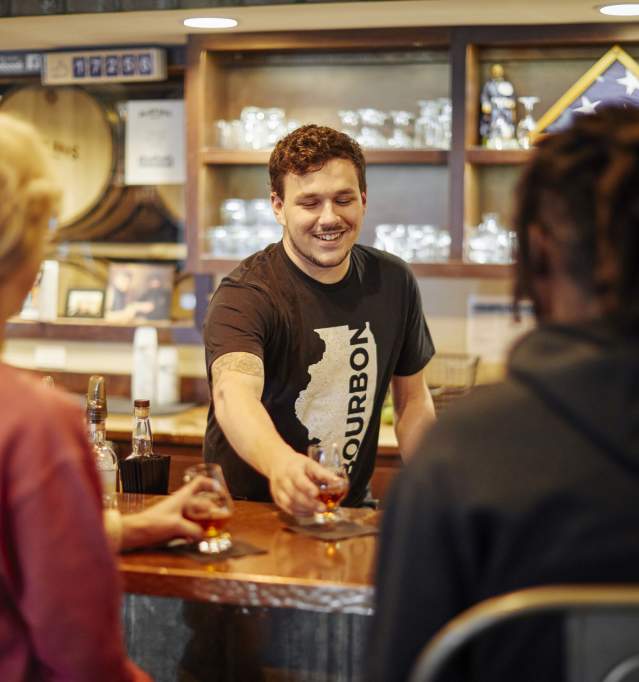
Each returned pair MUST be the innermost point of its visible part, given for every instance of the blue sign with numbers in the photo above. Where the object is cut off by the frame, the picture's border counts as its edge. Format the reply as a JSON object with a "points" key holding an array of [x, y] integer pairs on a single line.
{"points": [[79, 67], [129, 65], [95, 67], [145, 64], [112, 65]]}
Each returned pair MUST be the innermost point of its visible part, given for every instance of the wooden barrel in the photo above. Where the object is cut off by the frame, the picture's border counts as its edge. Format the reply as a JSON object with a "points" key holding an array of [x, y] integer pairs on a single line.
{"points": [[81, 137], [85, 139], [172, 202]]}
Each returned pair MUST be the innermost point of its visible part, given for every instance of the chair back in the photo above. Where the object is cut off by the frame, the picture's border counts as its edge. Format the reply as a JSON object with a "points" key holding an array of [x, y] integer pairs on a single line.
{"points": [[601, 629]]}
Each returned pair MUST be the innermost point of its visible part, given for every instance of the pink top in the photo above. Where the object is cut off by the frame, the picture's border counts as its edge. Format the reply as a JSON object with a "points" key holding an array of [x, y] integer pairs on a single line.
{"points": [[59, 591]]}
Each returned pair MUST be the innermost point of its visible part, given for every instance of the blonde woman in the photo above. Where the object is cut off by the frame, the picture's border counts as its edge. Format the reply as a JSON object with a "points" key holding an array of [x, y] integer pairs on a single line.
{"points": [[59, 593]]}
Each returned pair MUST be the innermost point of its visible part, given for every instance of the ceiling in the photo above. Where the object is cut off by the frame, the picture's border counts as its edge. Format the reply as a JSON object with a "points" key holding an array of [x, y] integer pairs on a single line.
{"points": [[165, 27]]}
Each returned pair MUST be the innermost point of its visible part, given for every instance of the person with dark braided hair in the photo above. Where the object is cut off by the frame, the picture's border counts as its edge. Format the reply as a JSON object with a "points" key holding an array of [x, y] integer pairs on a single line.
{"points": [[534, 481]]}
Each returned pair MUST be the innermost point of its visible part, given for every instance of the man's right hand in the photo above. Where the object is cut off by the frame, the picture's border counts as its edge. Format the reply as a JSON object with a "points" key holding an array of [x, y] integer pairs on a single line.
{"points": [[293, 482]]}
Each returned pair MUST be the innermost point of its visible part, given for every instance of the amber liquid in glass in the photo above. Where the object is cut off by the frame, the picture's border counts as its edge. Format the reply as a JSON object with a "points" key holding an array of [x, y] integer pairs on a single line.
{"points": [[332, 494], [212, 522]]}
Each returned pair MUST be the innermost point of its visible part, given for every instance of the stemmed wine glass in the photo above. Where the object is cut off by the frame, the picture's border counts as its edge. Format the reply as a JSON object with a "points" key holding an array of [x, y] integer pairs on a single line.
{"points": [[331, 493], [211, 508], [527, 124]]}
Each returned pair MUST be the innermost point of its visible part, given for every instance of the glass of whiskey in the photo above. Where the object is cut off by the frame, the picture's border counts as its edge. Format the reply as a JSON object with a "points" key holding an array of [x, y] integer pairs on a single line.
{"points": [[211, 509], [331, 493]]}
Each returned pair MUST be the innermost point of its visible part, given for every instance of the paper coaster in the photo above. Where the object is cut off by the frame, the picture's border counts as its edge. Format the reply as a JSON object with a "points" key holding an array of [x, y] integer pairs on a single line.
{"points": [[342, 530]]}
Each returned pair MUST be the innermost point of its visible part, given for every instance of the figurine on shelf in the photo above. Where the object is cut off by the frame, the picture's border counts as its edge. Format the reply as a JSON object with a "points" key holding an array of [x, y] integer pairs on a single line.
{"points": [[498, 109]]}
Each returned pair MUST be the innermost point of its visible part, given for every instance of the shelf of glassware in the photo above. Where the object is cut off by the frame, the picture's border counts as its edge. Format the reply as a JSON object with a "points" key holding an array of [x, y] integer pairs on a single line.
{"points": [[481, 156], [451, 269], [213, 156]]}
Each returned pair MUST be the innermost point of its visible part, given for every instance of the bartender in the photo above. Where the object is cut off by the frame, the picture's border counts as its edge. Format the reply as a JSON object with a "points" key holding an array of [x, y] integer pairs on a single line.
{"points": [[303, 338]]}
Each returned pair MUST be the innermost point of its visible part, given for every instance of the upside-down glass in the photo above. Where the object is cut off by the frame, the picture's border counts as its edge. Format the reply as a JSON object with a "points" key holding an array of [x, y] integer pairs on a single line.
{"points": [[330, 494], [527, 125], [210, 508]]}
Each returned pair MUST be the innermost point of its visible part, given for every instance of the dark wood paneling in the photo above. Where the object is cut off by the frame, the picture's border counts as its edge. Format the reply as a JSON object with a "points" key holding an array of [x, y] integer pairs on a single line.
{"points": [[456, 160], [356, 39], [545, 35]]}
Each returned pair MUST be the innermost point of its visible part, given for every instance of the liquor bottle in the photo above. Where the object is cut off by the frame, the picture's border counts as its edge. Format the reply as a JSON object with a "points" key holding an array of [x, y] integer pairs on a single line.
{"points": [[142, 439], [106, 461], [143, 471]]}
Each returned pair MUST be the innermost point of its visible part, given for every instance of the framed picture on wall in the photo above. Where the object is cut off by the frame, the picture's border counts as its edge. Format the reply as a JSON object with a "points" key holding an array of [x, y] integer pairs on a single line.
{"points": [[84, 303], [138, 292]]}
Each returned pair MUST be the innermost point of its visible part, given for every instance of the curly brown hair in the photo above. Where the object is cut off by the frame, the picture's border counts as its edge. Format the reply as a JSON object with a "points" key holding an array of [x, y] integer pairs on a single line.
{"points": [[307, 149], [581, 189]]}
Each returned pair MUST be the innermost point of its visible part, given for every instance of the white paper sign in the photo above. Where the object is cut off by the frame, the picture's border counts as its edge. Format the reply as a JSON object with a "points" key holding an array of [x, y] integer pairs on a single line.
{"points": [[491, 329], [155, 142]]}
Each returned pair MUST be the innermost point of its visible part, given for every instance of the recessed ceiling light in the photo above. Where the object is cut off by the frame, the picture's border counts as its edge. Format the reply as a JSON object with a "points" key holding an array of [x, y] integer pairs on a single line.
{"points": [[628, 9], [210, 22]]}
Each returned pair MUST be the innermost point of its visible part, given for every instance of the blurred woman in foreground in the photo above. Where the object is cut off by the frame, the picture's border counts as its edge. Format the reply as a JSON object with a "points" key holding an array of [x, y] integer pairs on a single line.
{"points": [[59, 591]]}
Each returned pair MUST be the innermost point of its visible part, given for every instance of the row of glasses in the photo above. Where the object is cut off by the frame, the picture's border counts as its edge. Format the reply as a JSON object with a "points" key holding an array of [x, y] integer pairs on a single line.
{"points": [[414, 243], [433, 127], [490, 242], [235, 211], [400, 129], [257, 128], [247, 226]]}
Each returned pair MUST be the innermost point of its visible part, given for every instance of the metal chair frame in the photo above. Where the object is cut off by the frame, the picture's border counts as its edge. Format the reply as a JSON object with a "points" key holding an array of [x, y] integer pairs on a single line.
{"points": [[568, 599]]}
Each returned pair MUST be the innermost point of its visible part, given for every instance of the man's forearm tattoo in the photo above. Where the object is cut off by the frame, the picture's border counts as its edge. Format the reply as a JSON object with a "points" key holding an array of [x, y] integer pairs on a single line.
{"points": [[245, 363]]}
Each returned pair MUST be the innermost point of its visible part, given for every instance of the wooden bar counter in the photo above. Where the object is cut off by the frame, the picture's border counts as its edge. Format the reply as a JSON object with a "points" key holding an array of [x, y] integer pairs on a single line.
{"points": [[297, 571], [298, 613]]}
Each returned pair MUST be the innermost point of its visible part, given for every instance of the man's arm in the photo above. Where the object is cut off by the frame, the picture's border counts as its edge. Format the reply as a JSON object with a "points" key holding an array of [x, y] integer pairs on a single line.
{"points": [[237, 385], [159, 523], [414, 411]]}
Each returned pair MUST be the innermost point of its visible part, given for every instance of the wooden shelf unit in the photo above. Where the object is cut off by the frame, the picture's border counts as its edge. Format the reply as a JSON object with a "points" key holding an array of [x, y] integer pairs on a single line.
{"points": [[540, 60], [349, 67], [154, 251], [242, 157], [481, 156], [72, 329]]}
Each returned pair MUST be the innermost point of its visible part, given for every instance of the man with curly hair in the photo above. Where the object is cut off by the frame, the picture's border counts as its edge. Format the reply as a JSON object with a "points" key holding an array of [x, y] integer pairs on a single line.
{"points": [[304, 338]]}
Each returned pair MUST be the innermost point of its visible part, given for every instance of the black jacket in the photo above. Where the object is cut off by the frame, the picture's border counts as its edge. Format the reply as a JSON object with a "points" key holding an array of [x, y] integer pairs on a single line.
{"points": [[533, 481]]}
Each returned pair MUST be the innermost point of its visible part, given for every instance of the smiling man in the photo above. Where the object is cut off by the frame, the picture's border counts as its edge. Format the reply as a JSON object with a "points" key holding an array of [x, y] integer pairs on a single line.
{"points": [[304, 338]]}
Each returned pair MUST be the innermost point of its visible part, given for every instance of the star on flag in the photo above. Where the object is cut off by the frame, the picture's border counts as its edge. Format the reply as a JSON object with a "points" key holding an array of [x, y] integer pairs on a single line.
{"points": [[587, 107], [630, 81]]}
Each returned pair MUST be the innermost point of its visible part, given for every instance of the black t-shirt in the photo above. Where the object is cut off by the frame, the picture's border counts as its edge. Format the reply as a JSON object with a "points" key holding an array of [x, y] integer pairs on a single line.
{"points": [[329, 352]]}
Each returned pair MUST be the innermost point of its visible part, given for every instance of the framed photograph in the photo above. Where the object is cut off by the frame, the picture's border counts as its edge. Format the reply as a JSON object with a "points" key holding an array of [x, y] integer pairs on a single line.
{"points": [[139, 291], [84, 303]]}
